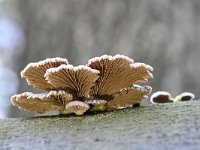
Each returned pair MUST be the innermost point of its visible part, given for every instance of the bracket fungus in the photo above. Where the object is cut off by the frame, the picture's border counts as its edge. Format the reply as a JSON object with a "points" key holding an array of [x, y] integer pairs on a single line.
{"points": [[165, 97], [185, 96], [161, 97], [106, 82]]}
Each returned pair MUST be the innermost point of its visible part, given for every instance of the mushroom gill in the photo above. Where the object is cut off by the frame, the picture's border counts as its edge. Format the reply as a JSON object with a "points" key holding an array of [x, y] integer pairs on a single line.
{"points": [[116, 73], [38, 103], [34, 72], [128, 97], [106, 82], [77, 80], [60, 96], [76, 107]]}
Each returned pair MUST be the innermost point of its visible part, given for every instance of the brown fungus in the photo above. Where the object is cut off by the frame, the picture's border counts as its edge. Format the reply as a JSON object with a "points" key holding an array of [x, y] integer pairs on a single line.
{"points": [[116, 73], [106, 82], [128, 97], [60, 96], [76, 107], [77, 80], [38, 103], [185, 96], [161, 97], [34, 72]]}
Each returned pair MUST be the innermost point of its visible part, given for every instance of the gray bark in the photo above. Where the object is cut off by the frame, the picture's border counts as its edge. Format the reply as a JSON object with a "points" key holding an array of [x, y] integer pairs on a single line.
{"points": [[154, 127]]}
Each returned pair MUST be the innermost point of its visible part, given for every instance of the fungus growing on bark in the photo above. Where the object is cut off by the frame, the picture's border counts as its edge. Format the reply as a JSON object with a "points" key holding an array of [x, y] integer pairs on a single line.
{"points": [[116, 73], [77, 107], [185, 96], [165, 97], [38, 103], [34, 72], [128, 97], [77, 80], [161, 97], [106, 82]]}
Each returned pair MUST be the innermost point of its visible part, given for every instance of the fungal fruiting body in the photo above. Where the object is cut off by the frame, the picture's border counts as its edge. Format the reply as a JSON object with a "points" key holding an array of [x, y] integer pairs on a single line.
{"points": [[165, 97], [161, 97], [185, 96], [106, 82]]}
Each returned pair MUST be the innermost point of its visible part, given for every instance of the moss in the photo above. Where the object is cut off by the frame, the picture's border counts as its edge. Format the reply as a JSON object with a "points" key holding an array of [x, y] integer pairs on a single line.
{"points": [[171, 126]]}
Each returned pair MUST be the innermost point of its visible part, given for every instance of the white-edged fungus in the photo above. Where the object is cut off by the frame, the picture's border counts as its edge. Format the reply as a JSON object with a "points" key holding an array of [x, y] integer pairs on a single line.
{"points": [[77, 80], [35, 103], [116, 73], [110, 58], [185, 96], [106, 82], [128, 97], [34, 72], [161, 97], [76, 107], [42, 103]]}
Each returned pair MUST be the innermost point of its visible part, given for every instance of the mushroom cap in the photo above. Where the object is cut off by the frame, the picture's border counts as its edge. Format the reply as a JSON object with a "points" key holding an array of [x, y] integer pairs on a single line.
{"points": [[128, 97], [116, 73], [77, 107], [77, 80], [34, 72], [161, 97], [38, 103], [185, 96]]}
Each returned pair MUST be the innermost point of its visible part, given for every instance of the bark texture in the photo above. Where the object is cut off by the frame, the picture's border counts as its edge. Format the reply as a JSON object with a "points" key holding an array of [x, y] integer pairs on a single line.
{"points": [[170, 126]]}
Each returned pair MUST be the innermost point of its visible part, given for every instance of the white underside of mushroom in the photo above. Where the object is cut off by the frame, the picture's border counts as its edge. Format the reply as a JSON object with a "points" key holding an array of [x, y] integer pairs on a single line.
{"points": [[76, 107]]}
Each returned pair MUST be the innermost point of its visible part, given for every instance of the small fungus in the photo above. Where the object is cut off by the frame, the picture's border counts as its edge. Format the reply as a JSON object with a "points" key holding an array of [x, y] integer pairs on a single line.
{"points": [[185, 96], [106, 82], [161, 97], [77, 107], [165, 97]]}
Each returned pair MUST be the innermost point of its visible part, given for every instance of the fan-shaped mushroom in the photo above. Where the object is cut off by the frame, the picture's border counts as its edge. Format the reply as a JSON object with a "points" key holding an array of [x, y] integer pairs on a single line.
{"points": [[107, 82], [116, 73], [77, 80], [38, 103], [34, 72], [128, 97], [77, 107]]}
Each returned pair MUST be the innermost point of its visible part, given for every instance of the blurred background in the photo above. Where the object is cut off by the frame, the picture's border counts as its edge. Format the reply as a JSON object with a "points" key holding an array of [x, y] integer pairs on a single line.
{"points": [[164, 34]]}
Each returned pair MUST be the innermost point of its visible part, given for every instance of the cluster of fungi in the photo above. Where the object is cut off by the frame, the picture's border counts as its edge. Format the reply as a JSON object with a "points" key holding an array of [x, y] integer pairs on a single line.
{"points": [[161, 97], [105, 83]]}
